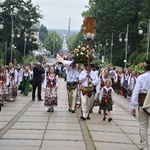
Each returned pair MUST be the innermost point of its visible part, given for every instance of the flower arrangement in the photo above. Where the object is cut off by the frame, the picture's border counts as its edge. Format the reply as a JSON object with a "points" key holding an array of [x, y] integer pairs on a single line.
{"points": [[83, 53]]}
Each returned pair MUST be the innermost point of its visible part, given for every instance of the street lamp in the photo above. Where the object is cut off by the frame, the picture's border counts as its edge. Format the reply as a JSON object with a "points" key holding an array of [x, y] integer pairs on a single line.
{"points": [[148, 34], [111, 45], [126, 44], [25, 41], [1, 22], [99, 45], [12, 37], [54, 39]]}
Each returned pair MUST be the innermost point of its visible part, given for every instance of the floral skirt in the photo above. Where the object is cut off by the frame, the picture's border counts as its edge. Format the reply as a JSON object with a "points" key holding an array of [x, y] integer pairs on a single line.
{"points": [[50, 97]]}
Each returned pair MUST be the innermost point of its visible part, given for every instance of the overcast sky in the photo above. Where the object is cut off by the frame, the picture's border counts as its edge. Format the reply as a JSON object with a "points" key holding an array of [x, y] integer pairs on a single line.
{"points": [[57, 13]]}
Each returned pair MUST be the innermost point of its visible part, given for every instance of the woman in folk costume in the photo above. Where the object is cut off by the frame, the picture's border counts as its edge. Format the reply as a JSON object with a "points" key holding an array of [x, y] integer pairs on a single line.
{"points": [[124, 83], [13, 78], [20, 76], [118, 81], [131, 82], [51, 82], [25, 81], [105, 77], [107, 99], [4, 83], [88, 79]]}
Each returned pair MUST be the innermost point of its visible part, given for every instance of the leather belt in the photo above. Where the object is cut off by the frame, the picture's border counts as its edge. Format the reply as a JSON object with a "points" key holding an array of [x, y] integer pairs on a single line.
{"points": [[141, 99]]}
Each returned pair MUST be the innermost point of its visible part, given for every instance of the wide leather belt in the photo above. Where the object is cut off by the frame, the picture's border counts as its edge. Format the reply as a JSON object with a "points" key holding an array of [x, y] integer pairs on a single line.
{"points": [[141, 99], [87, 89]]}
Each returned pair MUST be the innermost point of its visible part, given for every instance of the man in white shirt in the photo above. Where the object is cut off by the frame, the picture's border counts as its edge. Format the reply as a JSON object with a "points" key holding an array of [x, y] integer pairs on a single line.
{"points": [[88, 79], [72, 83], [140, 91]]}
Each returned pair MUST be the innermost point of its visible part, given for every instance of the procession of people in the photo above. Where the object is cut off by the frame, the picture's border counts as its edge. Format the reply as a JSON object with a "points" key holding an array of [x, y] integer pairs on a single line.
{"points": [[87, 84]]}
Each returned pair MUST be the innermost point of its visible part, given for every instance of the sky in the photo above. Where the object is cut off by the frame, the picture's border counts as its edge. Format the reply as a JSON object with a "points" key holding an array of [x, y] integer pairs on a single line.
{"points": [[56, 13]]}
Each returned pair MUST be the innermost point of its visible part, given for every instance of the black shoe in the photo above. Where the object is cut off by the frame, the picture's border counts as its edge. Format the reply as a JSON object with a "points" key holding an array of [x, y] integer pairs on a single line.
{"points": [[88, 118], [99, 112], [91, 110], [104, 118], [82, 118], [40, 100], [109, 119], [52, 109], [49, 110], [73, 111], [70, 110], [33, 99]]}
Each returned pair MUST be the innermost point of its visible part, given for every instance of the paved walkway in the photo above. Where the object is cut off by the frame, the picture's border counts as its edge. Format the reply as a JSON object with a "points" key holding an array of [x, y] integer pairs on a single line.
{"points": [[25, 125]]}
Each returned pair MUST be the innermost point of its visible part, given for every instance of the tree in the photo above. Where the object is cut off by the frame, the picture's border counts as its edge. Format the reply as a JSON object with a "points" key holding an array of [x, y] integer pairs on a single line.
{"points": [[43, 33], [23, 14], [113, 16], [53, 42]]}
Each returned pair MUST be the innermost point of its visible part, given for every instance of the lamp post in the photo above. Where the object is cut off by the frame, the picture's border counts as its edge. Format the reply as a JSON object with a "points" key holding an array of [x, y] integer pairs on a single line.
{"points": [[148, 34], [5, 51], [103, 57], [1, 22], [25, 41], [111, 45], [99, 45], [126, 44], [12, 37], [54, 39]]}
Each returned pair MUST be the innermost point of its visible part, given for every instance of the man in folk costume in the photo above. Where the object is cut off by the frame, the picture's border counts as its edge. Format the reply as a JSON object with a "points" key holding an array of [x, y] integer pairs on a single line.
{"points": [[13, 74], [95, 68], [139, 96], [72, 83], [88, 79]]}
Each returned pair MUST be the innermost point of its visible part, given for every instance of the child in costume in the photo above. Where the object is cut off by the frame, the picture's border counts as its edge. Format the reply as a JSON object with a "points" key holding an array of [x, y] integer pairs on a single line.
{"points": [[106, 99]]}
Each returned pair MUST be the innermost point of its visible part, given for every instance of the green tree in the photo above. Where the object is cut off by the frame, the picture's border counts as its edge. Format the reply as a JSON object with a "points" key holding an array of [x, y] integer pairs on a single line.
{"points": [[24, 15], [53, 42], [112, 17], [43, 33]]}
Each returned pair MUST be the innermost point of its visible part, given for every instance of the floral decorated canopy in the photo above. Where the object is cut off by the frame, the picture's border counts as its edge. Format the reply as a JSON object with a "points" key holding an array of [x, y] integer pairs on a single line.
{"points": [[83, 53]]}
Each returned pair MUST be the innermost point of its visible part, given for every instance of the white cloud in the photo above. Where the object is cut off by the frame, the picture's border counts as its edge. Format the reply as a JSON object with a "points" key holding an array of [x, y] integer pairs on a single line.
{"points": [[57, 12]]}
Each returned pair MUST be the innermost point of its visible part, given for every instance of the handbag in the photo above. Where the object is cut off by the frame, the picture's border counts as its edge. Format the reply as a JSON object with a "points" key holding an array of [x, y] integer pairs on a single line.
{"points": [[146, 103]]}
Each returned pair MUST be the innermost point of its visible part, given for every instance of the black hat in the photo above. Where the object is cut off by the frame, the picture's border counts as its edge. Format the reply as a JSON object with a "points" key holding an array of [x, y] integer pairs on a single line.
{"points": [[147, 64], [148, 61]]}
